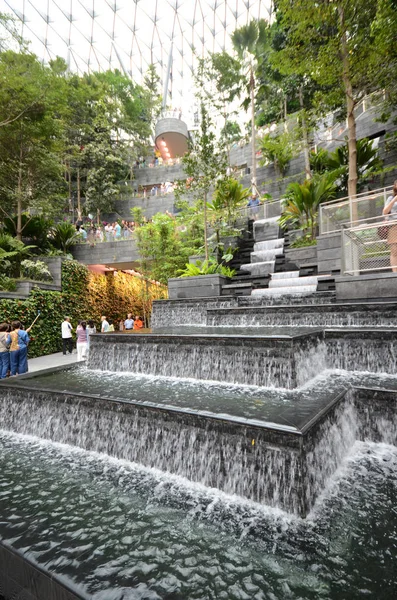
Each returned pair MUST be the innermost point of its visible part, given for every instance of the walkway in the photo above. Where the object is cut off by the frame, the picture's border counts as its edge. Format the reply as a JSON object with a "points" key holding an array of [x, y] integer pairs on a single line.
{"points": [[51, 360]]}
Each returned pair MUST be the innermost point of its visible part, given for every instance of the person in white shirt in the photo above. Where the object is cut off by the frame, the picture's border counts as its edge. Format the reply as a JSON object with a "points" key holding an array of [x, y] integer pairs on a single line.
{"points": [[67, 340], [105, 325]]}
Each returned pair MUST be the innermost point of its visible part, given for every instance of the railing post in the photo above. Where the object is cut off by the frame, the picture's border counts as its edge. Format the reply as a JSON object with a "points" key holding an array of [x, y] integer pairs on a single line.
{"points": [[320, 223], [351, 210]]}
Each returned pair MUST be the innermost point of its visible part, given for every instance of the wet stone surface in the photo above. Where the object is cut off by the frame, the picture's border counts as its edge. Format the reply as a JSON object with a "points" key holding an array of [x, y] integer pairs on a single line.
{"points": [[116, 531]]}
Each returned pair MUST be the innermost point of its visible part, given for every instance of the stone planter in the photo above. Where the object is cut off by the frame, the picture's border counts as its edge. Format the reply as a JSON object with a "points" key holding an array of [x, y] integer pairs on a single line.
{"points": [[197, 257], [202, 286], [25, 287], [306, 255]]}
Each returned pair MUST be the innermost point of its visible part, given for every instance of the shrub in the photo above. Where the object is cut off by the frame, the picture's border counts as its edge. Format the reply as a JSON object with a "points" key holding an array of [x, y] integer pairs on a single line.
{"points": [[84, 295], [207, 267], [36, 270], [303, 241], [63, 236], [7, 284]]}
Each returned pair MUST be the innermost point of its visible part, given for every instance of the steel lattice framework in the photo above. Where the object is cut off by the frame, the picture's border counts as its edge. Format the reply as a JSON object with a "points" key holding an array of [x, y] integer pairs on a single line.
{"points": [[94, 35]]}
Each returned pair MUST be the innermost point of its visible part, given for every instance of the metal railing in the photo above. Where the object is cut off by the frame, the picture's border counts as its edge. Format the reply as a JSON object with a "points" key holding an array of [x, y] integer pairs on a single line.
{"points": [[349, 212], [266, 210], [369, 247]]}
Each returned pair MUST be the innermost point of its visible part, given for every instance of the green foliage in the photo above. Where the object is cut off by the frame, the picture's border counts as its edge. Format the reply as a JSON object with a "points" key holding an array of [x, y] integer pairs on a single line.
{"points": [[337, 163], [6, 283], [84, 295], [164, 247], [368, 163], [229, 197], [36, 270], [337, 44], [45, 335], [203, 164], [15, 252], [106, 164], [231, 132], [31, 172], [302, 203], [35, 228], [137, 215], [302, 242], [319, 161], [278, 149], [207, 267], [63, 236]]}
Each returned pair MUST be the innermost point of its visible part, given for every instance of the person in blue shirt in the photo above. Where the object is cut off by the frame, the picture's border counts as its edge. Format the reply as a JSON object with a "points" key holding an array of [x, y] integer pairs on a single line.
{"points": [[129, 322], [19, 340], [117, 231], [253, 205]]}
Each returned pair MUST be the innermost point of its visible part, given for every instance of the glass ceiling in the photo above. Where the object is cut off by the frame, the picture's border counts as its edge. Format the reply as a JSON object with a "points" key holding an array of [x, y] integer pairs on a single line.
{"points": [[94, 35]]}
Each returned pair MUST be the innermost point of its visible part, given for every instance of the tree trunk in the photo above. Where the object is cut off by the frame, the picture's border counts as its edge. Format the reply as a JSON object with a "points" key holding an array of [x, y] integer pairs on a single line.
{"points": [[351, 120], [19, 195], [205, 227], [69, 180], [98, 219], [253, 137], [78, 196], [305, 136]]}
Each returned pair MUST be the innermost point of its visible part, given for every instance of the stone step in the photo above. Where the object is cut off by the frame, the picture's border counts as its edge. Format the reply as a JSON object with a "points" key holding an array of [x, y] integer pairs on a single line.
{"points": [[264, 255], [236, 285], [259, 268], [285, 291], [285, 275], [293, 282], [269, 244]]}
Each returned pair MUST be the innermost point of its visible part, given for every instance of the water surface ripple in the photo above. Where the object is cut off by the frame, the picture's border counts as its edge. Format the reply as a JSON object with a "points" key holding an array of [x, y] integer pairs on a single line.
{"points": [[115, 530]]}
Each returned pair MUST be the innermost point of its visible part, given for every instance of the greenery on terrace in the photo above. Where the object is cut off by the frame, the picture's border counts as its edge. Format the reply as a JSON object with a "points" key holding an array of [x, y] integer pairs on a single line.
{"points": [[67, 140], [84, 295]]}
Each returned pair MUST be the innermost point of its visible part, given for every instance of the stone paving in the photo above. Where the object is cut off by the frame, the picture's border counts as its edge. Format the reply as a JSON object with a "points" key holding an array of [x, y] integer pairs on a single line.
{"points": [[51, 360]]}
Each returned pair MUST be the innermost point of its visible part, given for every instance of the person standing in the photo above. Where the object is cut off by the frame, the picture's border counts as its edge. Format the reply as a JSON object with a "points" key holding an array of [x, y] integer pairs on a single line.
{"points": [[18, 349], [129, 322], [81, 340], [138, 323], [5, 342], [67, 340], [90, 329], [390, 212], [104, 325]]}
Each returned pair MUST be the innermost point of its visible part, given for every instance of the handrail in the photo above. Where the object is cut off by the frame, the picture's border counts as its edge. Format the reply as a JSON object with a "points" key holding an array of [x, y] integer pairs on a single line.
{"points": [[377, 191], [342, 212]]}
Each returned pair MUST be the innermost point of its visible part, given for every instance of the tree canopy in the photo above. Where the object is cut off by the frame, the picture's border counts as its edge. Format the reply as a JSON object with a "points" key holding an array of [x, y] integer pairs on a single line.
{"points": [[65, 137]]}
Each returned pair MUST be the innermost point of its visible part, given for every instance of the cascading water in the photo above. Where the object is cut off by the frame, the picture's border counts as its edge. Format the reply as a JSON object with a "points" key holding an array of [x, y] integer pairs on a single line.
{"points": [[263, 257], [244, 361], [174, 483], [136, 533], [187, 312], [303, 316]]}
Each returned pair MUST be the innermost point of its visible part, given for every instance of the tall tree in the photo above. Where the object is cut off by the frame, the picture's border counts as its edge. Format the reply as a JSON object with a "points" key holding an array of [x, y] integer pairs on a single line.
{"points": [[30, 140], [105, 163], [333, 43], [250, 41], [205, 162]]}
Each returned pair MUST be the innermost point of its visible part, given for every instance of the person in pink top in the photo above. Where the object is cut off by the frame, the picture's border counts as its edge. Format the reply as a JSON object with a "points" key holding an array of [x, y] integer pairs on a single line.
{"points": [[81, 340]]}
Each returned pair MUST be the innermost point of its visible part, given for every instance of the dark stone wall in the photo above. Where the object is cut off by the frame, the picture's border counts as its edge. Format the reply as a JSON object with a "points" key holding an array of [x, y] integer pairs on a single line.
{"points": [[123, 251], [21, 580]]}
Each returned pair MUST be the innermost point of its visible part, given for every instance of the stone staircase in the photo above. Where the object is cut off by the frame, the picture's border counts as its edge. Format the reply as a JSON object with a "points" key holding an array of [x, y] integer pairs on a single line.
{"points": [[288, 283], [267, 274]]}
